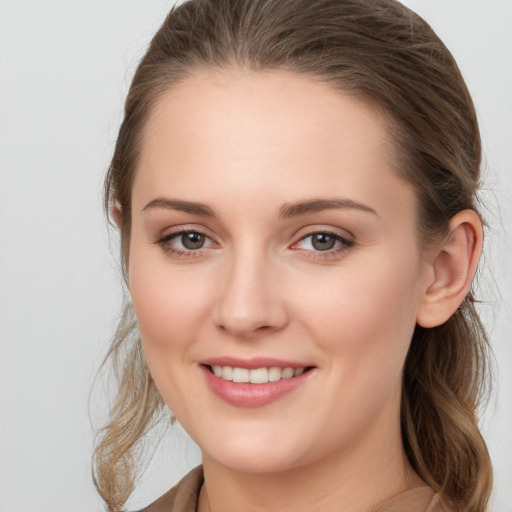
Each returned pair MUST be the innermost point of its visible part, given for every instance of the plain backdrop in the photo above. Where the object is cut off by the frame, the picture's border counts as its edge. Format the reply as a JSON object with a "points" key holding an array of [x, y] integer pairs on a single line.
{"points": [[65, 66]]}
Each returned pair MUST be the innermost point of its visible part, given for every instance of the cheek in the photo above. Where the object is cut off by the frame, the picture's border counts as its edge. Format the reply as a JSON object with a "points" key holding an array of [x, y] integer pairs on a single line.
{"points": [[365, 316], [170, 310], [169, 303]]}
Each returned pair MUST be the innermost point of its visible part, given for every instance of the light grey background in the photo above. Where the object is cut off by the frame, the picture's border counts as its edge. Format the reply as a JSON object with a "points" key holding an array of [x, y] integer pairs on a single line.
{"points": [[64, 71]]}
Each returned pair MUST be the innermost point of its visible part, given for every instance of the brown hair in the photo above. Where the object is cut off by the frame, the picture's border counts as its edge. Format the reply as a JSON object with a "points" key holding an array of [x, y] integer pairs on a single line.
{"points": [[383, 53]]}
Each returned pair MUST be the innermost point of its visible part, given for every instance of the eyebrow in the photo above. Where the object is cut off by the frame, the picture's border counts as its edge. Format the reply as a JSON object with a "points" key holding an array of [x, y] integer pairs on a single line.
{"points": [[317, 205], [287, 210], [182, 206]]}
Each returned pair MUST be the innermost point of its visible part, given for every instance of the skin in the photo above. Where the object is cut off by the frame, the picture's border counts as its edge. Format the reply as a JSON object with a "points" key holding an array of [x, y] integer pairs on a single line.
{"points": [[246, 145]]}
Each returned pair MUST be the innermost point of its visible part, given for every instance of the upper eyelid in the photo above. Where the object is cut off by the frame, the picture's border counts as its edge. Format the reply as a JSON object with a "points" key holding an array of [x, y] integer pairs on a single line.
{"points": [[164, 241], [170, 232], [176, 234], [326, 232], [343, 239], [307, 231]]}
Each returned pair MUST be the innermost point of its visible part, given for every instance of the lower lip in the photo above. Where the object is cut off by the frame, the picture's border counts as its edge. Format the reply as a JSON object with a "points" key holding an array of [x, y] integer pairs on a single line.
{"points": [[242, 394]]}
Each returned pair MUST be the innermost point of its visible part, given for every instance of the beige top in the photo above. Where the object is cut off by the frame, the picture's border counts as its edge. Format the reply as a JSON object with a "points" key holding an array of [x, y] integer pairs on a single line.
{"points": [[184, 497]]}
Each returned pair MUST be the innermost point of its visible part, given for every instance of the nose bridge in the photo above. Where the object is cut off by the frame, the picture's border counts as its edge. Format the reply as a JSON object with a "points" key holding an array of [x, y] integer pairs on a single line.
{"points": [[250, 299]]}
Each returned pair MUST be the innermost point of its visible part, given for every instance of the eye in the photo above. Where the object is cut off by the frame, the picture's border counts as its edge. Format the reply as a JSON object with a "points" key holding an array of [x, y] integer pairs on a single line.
{"points": [[323, 241], [185, 243], [191, 240]]}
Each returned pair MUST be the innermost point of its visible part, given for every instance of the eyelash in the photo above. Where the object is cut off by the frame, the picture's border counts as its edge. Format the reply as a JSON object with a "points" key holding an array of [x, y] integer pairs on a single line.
{"points": [[165, 243], [344, 243]]}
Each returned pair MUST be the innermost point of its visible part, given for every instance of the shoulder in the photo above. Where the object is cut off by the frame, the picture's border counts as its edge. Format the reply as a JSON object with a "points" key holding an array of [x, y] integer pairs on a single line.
{"points": [[182, 497]]}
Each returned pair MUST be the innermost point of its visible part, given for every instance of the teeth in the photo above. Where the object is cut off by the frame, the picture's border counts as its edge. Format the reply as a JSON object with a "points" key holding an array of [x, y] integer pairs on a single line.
{"points": [[287, 373], [227, 372], [240, 375], [257, 375], [274, 374]]}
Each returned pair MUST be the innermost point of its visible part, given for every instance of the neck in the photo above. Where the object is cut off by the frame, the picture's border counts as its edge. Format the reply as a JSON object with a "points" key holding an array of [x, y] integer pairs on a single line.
{"points": [[356, 480]]}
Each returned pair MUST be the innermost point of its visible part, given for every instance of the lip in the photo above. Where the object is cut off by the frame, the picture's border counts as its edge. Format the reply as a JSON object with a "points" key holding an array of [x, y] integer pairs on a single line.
{"points": [[241, 394], [253, 362]]}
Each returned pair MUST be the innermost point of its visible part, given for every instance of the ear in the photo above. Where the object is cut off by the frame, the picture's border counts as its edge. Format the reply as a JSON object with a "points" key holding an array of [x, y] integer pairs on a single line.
{"points": [[117, 213], [452, 268]]}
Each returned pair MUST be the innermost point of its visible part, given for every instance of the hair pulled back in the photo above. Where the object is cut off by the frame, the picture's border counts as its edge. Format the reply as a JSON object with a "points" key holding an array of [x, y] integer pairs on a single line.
{"points": [[382, 53]]}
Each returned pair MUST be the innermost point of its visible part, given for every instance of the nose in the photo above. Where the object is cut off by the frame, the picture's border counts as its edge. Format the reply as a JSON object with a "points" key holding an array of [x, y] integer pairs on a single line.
{"points": [[251, 298]]}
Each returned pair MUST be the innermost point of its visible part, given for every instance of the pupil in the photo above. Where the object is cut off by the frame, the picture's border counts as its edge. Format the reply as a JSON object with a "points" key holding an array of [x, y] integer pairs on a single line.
{"points": [[192, 240], [323, 242]]}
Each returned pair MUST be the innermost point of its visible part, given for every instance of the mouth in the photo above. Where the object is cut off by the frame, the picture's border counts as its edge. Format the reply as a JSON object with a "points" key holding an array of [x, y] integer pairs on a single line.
{"points": [[257, 381], [261, 375]]}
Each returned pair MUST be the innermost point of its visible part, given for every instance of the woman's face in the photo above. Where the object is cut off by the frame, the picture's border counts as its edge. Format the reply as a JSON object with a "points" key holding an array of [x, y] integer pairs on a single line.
{"points": [[270, 230]]}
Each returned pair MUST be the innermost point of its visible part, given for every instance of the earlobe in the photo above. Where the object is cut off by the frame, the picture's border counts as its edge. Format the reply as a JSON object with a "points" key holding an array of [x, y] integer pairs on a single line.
{"points": [[453, 266], [117, 213]]}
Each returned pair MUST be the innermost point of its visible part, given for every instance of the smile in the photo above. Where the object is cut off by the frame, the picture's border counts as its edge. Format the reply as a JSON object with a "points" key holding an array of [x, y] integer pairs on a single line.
{"points": [[256, 375], [257, 383]]}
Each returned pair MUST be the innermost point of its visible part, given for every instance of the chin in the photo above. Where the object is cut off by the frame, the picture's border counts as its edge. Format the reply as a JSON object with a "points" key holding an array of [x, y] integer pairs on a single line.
{"points": [[256, 458], [261, 463]]}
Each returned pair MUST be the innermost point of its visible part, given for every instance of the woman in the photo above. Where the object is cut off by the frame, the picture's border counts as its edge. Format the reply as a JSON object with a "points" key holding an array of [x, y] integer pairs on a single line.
{"points": [[295, 187]]}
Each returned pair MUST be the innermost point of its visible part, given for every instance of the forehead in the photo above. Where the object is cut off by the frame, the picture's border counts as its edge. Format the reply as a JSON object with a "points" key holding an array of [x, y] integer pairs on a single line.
{"points": [[228, 104], [265, 133]]}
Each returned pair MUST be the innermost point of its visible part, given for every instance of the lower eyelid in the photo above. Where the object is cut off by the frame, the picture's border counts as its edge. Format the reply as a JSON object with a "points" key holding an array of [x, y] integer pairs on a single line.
{"points": [[167, 245]]}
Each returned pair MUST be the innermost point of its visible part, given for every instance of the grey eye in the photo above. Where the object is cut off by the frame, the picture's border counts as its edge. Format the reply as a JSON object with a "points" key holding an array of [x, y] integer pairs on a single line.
{"points": [[192, 240], [323, 241]]}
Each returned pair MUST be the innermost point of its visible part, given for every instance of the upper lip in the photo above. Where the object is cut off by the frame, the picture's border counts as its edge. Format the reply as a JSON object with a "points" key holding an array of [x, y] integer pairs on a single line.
{"points": [[253, 362]]}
